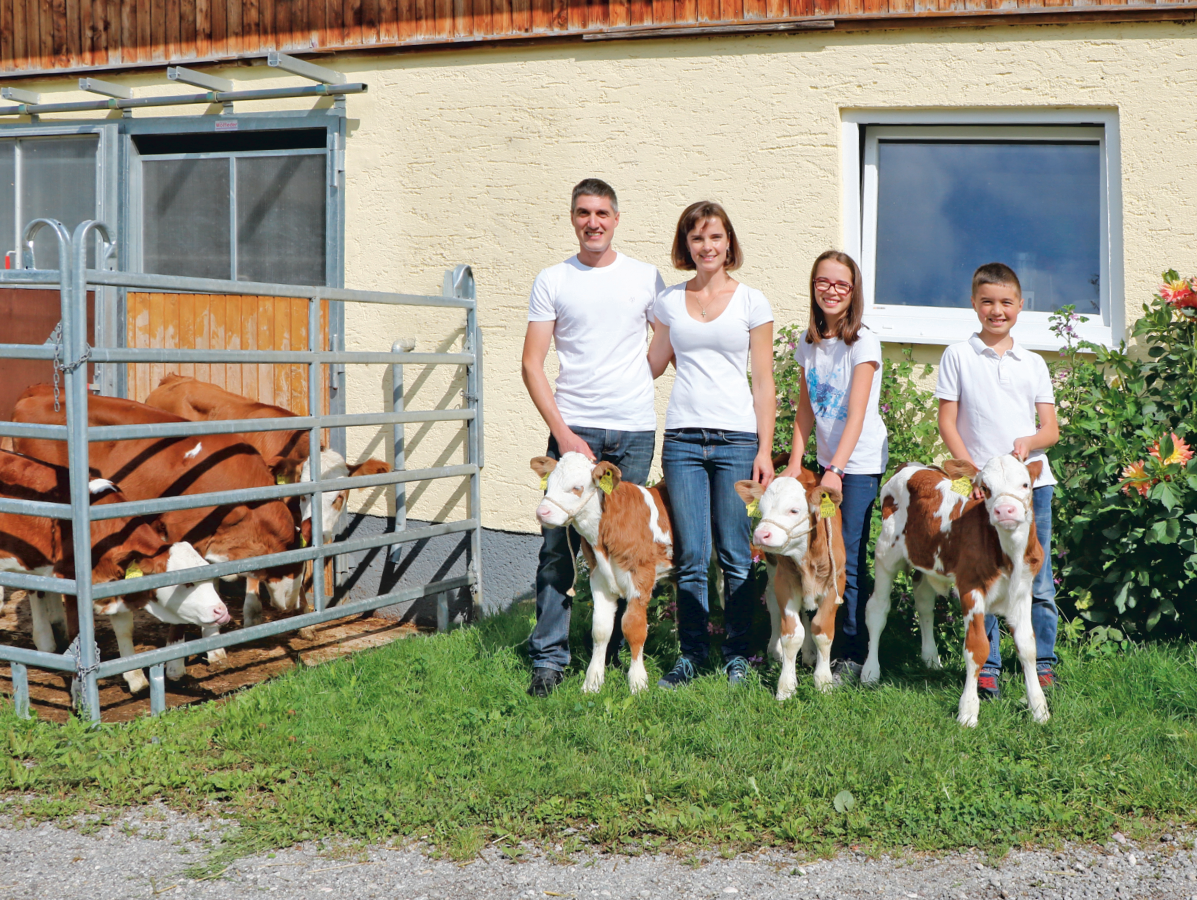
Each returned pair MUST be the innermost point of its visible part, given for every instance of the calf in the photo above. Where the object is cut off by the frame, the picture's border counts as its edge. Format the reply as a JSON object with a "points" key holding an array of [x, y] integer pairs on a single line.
{"points": [[627, 540], [801, 533], [120, 548], [988, 550]]}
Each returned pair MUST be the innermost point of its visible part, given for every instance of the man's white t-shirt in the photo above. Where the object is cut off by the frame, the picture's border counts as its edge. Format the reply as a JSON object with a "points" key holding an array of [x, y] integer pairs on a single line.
{"points": [[711, 387], [602, 315], [828, 367], [997, 397]]}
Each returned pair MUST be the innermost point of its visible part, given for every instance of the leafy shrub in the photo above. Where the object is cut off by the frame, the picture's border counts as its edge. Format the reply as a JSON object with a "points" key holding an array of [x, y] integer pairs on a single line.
{"points": [[1127, 501]]}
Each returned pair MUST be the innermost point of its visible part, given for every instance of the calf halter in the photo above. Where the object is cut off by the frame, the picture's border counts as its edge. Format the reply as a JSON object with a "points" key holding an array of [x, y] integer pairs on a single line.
{"points": [[569, 517]]}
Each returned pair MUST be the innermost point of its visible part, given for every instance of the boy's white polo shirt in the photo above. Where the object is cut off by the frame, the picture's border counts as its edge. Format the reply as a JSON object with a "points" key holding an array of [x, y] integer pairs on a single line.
{"points": [[997, 397]]}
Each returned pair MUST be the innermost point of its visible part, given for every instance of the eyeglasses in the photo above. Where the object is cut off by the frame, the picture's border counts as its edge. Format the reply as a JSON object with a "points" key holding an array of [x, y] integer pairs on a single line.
{"points": [[823, 285]]}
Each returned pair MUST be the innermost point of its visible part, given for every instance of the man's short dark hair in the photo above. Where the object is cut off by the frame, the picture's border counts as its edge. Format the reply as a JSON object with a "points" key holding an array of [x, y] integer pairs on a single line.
{"points": [[995, 273], [593, 187]]}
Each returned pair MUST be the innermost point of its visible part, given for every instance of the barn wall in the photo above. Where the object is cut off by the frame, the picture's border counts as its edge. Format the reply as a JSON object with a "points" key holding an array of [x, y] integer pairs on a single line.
{"points": [[469, 156]]}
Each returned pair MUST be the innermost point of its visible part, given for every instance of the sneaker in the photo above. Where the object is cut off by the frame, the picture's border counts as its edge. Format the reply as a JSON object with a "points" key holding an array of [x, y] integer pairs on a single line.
{"points": [[987, 686], [683, 672], [544, 681], [845, 671], [737, 670], [1047, 678]]}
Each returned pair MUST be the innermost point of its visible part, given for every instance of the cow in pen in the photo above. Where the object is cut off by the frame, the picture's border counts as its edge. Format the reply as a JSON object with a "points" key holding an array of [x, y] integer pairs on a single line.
{"points": [[627, 540], [987, 549]]}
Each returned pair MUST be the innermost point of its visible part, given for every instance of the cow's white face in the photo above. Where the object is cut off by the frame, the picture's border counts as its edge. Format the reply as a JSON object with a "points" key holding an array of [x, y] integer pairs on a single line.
{"points": [[332, 512], [1007, 485], [285, 592], [570, 488], [193, 603], [785, 518]]}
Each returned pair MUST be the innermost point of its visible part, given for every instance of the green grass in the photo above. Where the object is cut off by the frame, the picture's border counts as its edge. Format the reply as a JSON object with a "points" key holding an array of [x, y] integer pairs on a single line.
{"points": [[434, 737]]}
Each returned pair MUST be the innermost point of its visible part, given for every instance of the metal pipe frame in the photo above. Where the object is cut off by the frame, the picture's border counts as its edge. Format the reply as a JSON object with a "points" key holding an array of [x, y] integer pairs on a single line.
{"points": [[73, 279], [207, 97]]}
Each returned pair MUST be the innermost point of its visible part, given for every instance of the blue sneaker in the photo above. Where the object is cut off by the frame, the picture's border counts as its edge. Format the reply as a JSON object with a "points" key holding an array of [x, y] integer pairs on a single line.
{"points": [[683, 672], [737, 670]]}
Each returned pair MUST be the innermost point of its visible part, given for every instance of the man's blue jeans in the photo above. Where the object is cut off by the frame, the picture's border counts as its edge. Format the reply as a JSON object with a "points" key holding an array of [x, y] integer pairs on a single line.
{"points": [[852, 637], [701, 469], [1044, 616], [548, 646]]}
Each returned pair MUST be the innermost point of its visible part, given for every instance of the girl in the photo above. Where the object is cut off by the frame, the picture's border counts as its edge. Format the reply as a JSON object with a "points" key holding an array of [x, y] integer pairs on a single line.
{"points": [[840, 358], [718, 430]]}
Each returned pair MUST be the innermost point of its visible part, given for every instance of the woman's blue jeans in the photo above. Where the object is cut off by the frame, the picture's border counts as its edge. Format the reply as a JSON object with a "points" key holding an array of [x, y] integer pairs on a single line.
{"points": [[1045, 618], [852, 637], [701, 469]]}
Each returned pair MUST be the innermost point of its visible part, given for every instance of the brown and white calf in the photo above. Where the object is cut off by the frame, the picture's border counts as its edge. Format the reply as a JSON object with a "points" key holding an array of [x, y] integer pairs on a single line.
{"points": [[627, 540], [119, 548], [804, 553], [987, 549]]}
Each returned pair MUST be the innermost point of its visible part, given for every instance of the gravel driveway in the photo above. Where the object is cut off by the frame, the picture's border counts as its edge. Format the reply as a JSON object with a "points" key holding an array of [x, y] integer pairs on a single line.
{"points": [[145, 853]]}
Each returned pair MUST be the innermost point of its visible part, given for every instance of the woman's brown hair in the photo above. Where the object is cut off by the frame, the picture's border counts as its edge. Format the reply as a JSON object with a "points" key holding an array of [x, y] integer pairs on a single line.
{"points": [[692, 216], [853, 319]]}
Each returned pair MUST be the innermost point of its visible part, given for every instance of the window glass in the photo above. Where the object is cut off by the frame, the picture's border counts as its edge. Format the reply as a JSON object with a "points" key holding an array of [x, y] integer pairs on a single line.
{"points": [[58, 181], [946, 207], [8, 196], [186, 217], [280, 219]]}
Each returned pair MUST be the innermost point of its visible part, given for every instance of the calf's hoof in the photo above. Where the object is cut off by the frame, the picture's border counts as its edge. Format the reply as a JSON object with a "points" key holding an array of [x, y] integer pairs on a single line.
{"points": [[824, 683], [176, 669], [136, 681], [932, 662], [594, 680], [637, 677], [307, 633], [968, 713], [870, 673], [217, 658], [1040, 713], [786, 688]]}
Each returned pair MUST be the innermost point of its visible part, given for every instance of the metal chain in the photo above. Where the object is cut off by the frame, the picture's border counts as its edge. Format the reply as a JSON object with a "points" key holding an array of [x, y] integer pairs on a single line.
{"points": [[59, 366], [81, 671]]}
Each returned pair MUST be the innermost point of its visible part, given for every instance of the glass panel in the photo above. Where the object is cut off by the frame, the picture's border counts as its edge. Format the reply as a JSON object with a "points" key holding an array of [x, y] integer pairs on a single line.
{"points": [[185, 217], [58, 181], [8, 197], [945, 208], [280, 219]]}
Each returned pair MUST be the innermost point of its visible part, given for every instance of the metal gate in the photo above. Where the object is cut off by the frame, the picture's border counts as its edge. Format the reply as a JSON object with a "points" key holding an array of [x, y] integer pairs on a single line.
{"points": [[70, 356]]}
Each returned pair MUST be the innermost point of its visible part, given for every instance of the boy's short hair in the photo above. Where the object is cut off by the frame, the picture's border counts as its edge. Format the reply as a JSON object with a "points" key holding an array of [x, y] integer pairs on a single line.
{"points": [[593, 187], [995, 273], [693, 216]]}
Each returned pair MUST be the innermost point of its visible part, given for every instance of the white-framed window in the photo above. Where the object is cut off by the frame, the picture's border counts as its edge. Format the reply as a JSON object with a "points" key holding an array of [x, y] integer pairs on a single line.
{"points": [[930, 196]]}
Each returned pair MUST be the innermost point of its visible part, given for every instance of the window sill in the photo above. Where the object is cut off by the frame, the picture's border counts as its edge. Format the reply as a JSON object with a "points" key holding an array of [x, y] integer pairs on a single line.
{"points": [[927, 325]]}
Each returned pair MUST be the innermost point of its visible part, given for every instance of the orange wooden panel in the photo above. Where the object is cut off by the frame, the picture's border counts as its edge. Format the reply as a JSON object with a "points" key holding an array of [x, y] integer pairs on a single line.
{"points": [[203, 27], [232, 341], [6, 34], [187, 28], [249, 340], [19, 34], [187, 329]]}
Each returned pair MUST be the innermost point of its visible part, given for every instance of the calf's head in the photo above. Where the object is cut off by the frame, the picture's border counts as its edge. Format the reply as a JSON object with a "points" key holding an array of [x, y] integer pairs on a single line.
{"points": [[1006, 483], [571, 485], [191, 603], [787, 507]]}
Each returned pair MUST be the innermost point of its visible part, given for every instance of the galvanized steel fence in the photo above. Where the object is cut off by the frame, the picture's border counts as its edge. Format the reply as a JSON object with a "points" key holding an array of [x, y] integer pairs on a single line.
{"points": [[71, 356]]}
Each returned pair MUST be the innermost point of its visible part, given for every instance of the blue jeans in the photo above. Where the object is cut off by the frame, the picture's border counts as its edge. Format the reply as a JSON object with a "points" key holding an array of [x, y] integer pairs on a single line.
{"points": [[548, 646], [852, 637], [701, 469], [1044, 616]]}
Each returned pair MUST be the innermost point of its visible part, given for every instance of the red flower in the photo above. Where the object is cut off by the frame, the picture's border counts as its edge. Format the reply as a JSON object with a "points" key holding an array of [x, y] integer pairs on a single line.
{"points": [[1179, 293], [1181, 452], [1135, 477]]}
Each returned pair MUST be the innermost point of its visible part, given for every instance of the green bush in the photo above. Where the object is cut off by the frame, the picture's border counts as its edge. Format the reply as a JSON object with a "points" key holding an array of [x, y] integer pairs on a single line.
{"points": [[1127, 500]]}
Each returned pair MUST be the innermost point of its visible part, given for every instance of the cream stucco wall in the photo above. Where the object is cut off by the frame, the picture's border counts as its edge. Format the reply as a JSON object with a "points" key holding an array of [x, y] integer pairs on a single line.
{"points": [[469, 156]]}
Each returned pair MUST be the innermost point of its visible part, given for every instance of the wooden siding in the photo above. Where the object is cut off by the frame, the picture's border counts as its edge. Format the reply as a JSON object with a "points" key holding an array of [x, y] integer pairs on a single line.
{"points": [[78, 35], [233, 322]]}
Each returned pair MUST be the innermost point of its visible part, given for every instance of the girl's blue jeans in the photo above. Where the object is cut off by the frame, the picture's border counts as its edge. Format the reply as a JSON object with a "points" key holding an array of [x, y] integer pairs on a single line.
{"points": [[701, 469], [852, 637]]}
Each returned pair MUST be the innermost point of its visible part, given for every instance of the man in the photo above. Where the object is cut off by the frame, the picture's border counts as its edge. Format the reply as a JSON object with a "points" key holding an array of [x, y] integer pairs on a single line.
{"points": [[595, 306]]}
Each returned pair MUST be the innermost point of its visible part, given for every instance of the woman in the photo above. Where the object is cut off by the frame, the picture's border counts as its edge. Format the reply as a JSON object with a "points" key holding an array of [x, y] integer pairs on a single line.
{"points": [[718, 430]]}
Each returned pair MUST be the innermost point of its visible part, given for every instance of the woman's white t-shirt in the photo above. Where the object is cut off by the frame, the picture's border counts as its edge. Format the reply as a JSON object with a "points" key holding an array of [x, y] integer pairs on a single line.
{"points": [[828, 367], [711, 387]]}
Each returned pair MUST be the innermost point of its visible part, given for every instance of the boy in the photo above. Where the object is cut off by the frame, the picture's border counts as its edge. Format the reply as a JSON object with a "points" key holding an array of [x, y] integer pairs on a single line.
{"points": [[595, 307], [990, 390]]}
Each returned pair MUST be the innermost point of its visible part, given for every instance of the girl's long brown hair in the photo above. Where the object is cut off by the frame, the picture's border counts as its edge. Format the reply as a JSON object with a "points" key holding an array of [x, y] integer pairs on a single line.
{"points": [[853, 320]]}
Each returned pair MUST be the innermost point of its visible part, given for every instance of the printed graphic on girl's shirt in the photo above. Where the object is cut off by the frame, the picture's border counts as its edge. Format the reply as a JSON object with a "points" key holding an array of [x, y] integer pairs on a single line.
{"points": [[828, 401]]}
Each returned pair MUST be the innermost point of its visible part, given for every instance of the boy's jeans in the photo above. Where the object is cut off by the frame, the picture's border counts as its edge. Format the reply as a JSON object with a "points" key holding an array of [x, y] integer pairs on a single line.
{"points": [[548, 646], [1044, 616], [701, 468], [852, 638]]}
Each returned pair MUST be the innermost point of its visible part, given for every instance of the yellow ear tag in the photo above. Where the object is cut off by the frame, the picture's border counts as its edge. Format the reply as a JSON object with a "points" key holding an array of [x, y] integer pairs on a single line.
{"points": [[544, 482], [134, 571], [962, 486], [303, 542], [754, 509], [607, 483], [826, 508], [281, 479]]}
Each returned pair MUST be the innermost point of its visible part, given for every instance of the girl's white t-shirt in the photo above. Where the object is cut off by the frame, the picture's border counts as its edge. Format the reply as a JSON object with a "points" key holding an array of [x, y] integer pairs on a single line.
{"points": [[711, 387], [828, 367]]}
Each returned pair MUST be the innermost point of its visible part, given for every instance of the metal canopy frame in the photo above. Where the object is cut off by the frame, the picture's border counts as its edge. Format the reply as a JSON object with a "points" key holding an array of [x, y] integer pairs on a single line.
{"points": [[74, 279]]}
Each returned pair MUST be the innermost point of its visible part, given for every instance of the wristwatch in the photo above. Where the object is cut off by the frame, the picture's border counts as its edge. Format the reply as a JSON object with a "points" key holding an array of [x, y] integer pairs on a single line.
{"points": [[837, 470]]}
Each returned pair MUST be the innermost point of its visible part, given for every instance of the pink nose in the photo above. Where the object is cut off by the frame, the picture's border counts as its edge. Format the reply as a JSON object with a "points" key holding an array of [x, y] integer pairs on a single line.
{"points": [[542, 512], [1008, 511], [221, 614], [763, 535]]}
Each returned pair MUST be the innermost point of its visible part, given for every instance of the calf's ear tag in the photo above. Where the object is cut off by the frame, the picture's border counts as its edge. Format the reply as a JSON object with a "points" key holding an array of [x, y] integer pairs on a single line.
{"points": [[544, 482], [281, 479], [134, 571], [962, 486], [754, 509], [826, 508], [607, 483]]}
